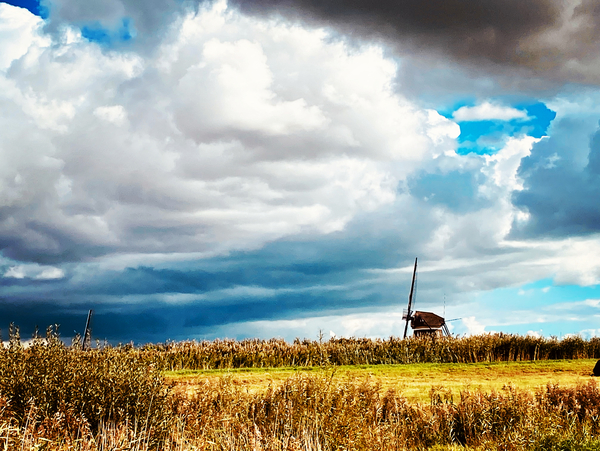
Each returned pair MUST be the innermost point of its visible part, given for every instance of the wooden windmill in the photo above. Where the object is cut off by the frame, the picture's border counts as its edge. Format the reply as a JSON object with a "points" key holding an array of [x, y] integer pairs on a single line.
{"points": [[422, 323]]}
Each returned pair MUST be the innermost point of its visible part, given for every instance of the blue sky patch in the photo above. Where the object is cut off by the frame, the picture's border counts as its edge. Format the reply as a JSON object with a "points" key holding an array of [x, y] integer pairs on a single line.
{"points": [[540, 119], [97, 33], [486, 137], [541, 306], [93, 32], [482, 137], [32, 5]]}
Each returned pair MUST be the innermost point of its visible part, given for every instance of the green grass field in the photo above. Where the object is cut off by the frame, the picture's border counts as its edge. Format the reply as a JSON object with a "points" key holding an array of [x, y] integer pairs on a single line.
{"points": [[414, 381]]}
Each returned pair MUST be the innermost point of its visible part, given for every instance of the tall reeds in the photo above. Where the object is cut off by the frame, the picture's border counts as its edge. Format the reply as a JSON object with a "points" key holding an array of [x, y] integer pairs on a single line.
{"points": [[220, 354], [58, 397], [321, 413], [47, 382]]}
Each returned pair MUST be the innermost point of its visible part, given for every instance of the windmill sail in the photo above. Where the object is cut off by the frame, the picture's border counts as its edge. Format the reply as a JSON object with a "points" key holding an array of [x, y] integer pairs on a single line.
{"points": [[407, 315]]}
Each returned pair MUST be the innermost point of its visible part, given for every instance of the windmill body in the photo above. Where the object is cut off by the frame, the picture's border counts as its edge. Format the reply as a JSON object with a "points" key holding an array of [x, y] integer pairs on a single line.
{"points": [[422, 323], [428, 323]]}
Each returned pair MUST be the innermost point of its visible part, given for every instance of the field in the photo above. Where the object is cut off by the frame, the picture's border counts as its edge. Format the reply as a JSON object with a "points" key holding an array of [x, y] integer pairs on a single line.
{"points": [[493, 392], [413, 381]]}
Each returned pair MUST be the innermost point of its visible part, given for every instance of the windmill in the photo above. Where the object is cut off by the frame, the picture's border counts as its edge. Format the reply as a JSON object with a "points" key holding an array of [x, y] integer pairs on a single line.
{"points": [[422, 323]]}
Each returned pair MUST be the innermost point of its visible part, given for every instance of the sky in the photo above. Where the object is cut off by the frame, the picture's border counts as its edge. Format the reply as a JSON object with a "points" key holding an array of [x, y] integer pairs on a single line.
{"points": [[272, 168]]}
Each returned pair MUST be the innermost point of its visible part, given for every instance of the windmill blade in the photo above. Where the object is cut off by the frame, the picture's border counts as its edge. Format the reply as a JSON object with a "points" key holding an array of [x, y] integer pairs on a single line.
{"points": [[408, 314], [446, 330]]}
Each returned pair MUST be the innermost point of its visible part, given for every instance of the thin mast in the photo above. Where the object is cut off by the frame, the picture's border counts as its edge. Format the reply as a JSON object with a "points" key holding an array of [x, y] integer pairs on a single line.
{"points": [[410, 298], [87, 335]]}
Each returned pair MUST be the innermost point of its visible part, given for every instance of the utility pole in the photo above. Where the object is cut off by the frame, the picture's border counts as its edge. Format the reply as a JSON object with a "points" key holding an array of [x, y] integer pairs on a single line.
{"points": [[87, 335]]}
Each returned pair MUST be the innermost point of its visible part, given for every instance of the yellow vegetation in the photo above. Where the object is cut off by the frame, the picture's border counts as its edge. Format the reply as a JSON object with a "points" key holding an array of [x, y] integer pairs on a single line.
{"points": [[57, 397]]}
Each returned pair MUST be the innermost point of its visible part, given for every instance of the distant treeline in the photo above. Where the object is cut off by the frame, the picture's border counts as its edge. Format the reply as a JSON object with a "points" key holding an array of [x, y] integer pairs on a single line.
{"points": [[221, 354]]}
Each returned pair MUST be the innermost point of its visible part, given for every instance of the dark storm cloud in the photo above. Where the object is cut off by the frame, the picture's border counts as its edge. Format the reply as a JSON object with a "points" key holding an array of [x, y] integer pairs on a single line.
{"points": [[284, 279], [124, 324], [506, 32], [544, 35], [28, 315], [562, 183], [160, 321], [288, 279], [489, 28], [51, 245], [285, 306], [118, 318]]}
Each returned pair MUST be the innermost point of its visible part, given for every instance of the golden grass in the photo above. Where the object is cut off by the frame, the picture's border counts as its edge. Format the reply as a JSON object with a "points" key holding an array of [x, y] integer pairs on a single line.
{"points": [[413, 381], [57, 397], [254, 353]]}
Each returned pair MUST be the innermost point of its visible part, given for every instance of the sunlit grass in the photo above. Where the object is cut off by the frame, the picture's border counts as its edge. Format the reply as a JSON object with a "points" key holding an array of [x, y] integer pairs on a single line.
{"points": [[57, 397], [414, 381], [254, 353]]}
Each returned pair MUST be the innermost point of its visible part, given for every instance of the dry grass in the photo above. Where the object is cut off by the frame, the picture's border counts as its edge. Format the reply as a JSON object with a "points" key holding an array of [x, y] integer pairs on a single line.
{"points": [[320, 412], [50, 390], [57, 397], [274, 353]]}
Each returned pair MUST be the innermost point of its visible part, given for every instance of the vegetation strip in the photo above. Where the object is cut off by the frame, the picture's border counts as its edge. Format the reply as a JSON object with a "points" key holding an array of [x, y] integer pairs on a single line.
{"points": [[59, 397], [225, 354]]}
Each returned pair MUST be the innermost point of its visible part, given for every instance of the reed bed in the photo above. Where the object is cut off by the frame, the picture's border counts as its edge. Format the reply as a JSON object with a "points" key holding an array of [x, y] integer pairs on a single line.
{"points": [[50, 384], [58, 397], [316, 413], [224, 354]]}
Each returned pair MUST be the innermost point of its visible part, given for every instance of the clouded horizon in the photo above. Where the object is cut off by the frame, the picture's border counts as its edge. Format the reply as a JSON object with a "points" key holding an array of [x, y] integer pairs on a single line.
{"points": [[273, 168]]}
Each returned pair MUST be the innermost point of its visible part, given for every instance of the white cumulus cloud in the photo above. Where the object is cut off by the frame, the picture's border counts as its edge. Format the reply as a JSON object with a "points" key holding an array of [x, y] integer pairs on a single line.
{"points": [[488, 111], [234, 132], [34, 271], [21, 29], [474, 327]]}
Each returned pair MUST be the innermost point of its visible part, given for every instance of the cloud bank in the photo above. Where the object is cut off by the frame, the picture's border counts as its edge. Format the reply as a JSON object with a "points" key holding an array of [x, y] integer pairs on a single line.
{"points": [[551, 38], [221, 170], [217, 141]]}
